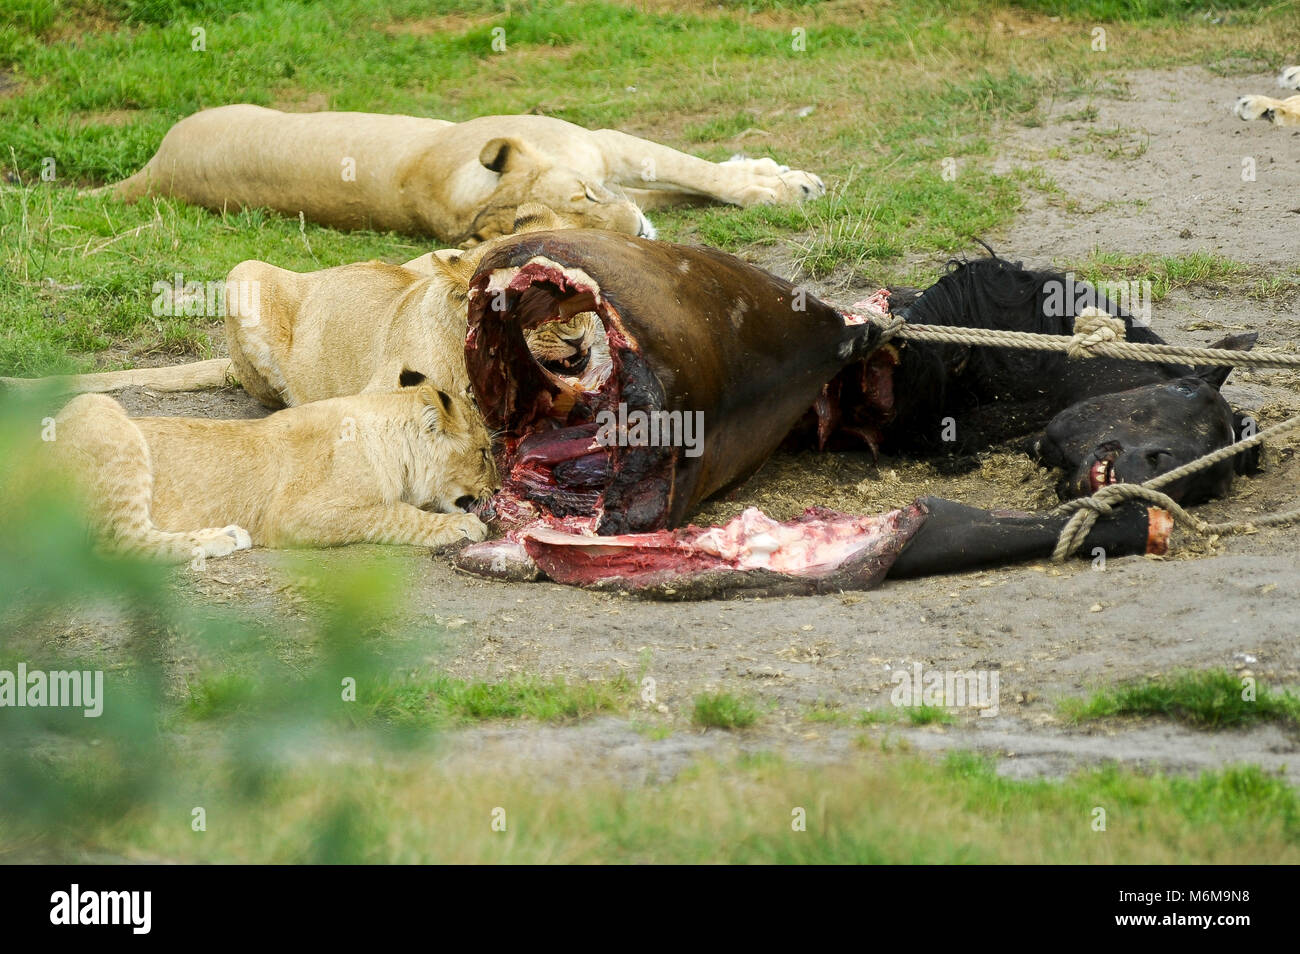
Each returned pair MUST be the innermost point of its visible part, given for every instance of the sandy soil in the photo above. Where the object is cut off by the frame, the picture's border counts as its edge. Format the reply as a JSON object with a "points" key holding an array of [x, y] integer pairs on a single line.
{"points": [[1049, 632], [1160, 169]]}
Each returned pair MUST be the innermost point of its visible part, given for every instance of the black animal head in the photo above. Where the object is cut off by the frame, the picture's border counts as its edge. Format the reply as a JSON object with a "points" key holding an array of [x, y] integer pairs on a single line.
{"points": [[1134, 435]]}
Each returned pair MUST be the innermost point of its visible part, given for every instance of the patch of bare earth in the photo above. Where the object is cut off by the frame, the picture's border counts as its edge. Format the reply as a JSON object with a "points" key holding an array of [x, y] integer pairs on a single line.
{"points": [[1166, 168], [433, 26], [9, 83]]}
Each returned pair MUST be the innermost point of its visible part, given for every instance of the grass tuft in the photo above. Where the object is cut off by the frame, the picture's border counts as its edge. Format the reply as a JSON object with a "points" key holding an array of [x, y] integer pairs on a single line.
{"points": [[1207, 699], [721, 710], [929, 715], [442, 700]]}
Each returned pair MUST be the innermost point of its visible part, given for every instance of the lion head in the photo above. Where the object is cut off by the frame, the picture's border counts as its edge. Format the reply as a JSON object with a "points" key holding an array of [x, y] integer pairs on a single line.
{"points": [[526, 176], [454, 469], [568, 347]]}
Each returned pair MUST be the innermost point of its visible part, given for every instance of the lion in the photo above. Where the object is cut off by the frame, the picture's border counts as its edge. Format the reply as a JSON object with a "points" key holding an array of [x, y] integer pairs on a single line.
{"points": [[1280, 112], [297, 337], [304, 338], [366, 468], [458, 182]]}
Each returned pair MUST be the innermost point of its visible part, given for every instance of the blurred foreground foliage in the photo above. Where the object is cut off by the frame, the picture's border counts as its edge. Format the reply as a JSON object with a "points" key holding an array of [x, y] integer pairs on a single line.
{"points": [[64, 606]]}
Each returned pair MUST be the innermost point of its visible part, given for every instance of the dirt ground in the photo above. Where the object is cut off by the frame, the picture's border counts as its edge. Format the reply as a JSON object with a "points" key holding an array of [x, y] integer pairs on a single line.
{"points": [[1175, 186]]}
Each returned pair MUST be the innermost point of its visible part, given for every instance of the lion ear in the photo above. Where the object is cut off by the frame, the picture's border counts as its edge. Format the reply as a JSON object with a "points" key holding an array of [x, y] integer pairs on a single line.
{"points": [[434, 397], [503, 155], [408, 378], [430, 396]]}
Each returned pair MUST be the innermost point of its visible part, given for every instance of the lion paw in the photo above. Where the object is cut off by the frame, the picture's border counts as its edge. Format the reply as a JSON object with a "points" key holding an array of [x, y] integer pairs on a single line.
{"points": [[772, 183], [802, 185], [1290, 78], [757, 195], [464, 526], [223, 542], [1254, 107], [784, 189]]}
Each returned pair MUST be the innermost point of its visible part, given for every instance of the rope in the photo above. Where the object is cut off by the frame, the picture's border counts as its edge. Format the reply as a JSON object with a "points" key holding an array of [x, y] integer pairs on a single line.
{"points": [[1098, 334]]}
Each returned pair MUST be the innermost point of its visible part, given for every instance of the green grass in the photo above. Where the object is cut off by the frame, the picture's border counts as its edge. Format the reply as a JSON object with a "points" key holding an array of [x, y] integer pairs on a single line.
{"points": [[94, 86], [655, 732], [1273, 287], [886, 715], [828, 714], [722, 710], [883, 809], [1214, 797], [435, 700], [1207, 699], [929, 715], [882, 716], [442, 701], [1129, 10], [241, 711], [78, 274], [221, 695], [1164, 272]]}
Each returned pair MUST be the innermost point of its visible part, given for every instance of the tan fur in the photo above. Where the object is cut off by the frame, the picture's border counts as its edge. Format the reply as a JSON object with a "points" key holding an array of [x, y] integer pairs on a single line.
{"points": [[305, 336], [270, 308], [570, 345], [195, 376], [366, 468], [296, 337], [359, 328], [459, 182], [347, 330]]}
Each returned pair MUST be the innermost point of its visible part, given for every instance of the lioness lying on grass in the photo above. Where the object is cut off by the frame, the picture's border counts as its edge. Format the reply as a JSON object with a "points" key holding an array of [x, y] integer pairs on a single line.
{"points": [[458, 182], [1280, 112], [366, 468]]}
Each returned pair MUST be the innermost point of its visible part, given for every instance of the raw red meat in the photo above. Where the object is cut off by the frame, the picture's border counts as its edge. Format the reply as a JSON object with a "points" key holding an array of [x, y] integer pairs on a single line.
{"points": [[822, 550]]}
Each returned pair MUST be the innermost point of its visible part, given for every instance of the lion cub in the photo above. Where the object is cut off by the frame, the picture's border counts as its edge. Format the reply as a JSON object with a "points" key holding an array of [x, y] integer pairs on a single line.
{"points": [[366, 468]]}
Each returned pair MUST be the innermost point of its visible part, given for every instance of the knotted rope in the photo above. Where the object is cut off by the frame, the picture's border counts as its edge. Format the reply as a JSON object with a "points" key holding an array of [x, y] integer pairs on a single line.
{"points": [[1094, 327], [1086, 510], [1098, 334]]}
